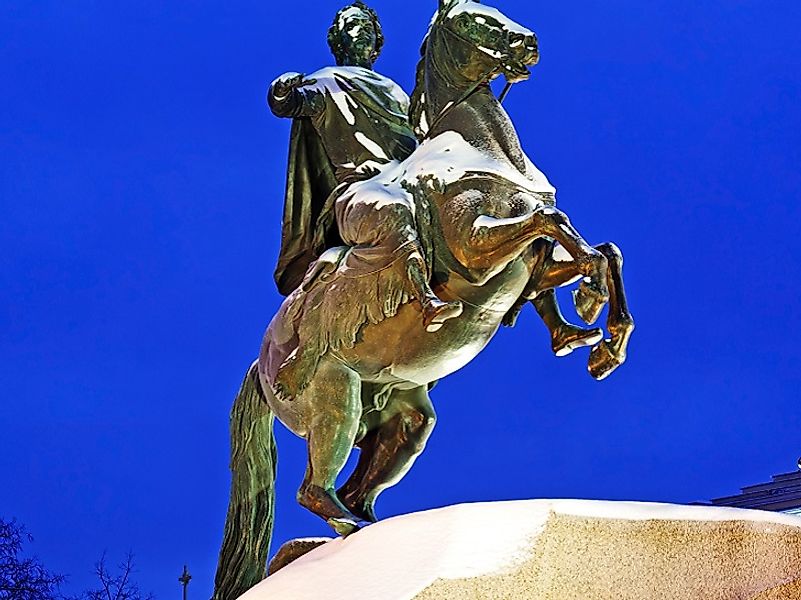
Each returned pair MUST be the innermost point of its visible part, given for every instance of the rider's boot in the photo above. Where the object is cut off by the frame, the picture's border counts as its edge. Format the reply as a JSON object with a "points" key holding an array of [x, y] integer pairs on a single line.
{"points": [[565, 337], [435, 311]]}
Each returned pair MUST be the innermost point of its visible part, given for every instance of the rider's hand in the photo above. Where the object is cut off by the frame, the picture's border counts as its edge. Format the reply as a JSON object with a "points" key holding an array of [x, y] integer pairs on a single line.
{"points": [[368, 170], [287, 82]]}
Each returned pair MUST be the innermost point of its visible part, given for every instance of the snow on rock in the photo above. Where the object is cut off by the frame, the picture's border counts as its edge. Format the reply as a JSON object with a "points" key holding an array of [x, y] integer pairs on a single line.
{"points": [[554, 549]]}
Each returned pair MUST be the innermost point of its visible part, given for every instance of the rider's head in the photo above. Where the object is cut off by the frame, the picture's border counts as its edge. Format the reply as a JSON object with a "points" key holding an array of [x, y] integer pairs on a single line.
{"points": [[355, 37]]}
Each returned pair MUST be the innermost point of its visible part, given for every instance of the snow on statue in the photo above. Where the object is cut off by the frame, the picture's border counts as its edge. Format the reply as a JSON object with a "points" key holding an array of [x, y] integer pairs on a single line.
{"points": [[412, 230]]}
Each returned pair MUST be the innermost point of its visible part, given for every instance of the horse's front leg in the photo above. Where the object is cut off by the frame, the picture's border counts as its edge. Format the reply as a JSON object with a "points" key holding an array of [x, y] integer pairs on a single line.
{"points": [[582, 260], [610, 353], [565, 337], [487, 244]]}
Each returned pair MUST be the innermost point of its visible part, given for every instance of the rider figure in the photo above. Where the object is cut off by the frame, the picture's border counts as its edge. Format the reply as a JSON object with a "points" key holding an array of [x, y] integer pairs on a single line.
{"points": [[359, 119]]}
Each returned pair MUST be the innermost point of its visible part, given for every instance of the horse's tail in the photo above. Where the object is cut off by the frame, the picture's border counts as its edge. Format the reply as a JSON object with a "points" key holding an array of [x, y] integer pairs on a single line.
{"points": [[251, 508]]}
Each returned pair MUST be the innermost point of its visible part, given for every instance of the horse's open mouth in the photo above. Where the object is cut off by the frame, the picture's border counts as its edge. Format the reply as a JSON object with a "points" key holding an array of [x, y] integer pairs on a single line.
{"points": [[515, 72]]}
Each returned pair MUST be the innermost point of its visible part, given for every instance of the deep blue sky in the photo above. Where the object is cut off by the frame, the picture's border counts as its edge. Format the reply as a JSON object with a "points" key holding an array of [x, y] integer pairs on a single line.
{"points": [[141, 185]]}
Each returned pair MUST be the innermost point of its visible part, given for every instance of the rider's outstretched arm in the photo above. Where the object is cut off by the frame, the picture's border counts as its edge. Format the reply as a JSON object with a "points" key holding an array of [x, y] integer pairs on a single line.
{"points": [[292, 96]]}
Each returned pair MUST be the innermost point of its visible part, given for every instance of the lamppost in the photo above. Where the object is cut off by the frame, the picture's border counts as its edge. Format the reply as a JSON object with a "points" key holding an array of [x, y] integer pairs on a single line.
{"points": [[184, 579]]}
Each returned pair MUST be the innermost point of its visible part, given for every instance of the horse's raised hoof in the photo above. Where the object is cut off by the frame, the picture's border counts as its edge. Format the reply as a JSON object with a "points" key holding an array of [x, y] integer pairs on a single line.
{"points": [[603, 360], [436, 312], [590, 300], [568, 337], [365, 514]]}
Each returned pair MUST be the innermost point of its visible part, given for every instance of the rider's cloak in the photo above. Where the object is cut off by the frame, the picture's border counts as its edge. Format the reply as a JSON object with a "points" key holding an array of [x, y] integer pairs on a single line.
{"points": [[310, 180], [344, 118]]}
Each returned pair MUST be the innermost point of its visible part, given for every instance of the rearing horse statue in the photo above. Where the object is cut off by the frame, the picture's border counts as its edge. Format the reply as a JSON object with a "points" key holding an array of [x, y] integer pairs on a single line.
{"points": [[342, 375]]}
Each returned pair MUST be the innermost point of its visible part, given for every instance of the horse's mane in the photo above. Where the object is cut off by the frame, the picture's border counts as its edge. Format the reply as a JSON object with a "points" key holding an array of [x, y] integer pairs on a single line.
{"points": [[419, 117], [417, 102]]}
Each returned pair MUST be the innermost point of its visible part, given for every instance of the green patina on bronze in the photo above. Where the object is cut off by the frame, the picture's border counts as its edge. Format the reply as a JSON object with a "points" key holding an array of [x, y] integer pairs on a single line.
{"points": [[412, 230]]}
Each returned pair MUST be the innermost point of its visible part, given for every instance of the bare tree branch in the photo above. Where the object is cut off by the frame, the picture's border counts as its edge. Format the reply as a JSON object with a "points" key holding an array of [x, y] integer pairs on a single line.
{"points": [[115, 586], [23, 578]]}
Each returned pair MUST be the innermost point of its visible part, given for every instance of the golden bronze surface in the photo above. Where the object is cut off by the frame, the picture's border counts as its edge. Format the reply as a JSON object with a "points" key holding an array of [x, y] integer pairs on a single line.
{"points": [[413, 228]]}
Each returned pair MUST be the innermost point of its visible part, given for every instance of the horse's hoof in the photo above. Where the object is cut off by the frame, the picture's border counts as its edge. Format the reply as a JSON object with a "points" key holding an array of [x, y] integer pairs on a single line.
{"points": [[327, 505], [569, 337], [603, 360], [365, 512], [589, 301], [344, 526]]}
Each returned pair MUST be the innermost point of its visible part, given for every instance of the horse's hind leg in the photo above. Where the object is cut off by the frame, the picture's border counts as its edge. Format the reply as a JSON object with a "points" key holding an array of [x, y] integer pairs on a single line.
{"points": [[609, 354], [389, 449], [334, 398]]}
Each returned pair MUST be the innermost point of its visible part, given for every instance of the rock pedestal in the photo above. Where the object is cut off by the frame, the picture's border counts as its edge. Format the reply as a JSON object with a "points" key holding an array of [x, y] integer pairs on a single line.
{"points": [[554, 550]]}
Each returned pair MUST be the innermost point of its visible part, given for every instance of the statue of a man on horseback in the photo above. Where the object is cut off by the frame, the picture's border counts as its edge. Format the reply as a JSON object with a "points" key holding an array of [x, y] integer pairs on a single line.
{"points": [[412, 231]]}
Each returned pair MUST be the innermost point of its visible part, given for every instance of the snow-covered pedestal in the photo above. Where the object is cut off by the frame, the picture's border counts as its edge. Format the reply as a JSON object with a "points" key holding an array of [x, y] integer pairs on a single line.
{"points": [[554, 549]]}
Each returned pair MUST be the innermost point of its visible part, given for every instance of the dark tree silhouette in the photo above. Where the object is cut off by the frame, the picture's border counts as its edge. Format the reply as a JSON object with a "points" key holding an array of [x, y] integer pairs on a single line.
{"points": [[23, 578], [115, 586]]}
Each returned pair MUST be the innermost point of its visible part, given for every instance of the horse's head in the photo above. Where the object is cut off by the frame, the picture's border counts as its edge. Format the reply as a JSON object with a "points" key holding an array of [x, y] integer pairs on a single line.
{"points": [[468, 45], [486, 42]]}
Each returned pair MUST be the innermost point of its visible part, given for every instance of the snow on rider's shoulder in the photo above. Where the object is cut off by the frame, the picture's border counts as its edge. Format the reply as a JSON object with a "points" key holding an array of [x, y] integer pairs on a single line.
{"points": [[337, 79]]}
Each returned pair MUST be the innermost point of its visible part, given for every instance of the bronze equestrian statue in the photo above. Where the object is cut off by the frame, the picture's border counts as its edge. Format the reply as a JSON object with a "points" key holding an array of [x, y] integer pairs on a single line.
{"points": [[401, 258]]}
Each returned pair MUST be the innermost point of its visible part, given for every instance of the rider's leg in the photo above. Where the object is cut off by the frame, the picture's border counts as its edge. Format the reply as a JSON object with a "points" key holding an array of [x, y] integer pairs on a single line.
{"points": [[389, 449], [435, 311], [334, 400], [385, 223]]}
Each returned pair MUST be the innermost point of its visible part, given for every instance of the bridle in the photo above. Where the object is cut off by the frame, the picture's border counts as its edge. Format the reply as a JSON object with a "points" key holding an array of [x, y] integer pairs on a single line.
{"points": [[483, 80]]}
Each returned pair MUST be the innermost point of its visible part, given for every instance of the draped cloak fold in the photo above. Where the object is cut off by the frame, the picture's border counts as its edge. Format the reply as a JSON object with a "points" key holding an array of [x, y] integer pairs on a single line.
{"points": [[363, 117], [310, 180]]}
